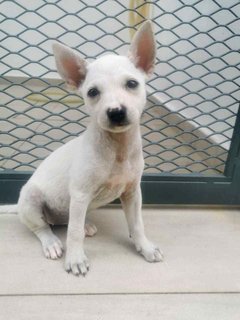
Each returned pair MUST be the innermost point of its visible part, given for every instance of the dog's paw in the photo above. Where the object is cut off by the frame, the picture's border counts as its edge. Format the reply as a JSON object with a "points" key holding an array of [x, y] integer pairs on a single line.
{"points": [[52, 248], [90, 229], [150, 252], [77, 263]]}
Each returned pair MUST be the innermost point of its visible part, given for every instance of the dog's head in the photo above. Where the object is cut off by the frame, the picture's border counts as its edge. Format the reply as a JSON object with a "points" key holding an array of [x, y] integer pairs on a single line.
{"points": [[113, 86]]}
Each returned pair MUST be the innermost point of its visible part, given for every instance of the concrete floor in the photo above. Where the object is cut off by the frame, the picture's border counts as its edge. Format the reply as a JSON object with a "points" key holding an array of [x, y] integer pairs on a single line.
{"points": [[199, 279]]}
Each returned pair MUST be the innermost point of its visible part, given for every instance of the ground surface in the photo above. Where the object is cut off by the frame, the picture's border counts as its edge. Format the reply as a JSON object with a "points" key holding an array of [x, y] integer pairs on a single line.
{"points": [[199, 279]]}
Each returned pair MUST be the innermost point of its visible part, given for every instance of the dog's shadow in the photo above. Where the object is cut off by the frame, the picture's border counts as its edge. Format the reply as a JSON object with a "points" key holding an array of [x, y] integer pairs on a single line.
{"points": [[109, 232]]}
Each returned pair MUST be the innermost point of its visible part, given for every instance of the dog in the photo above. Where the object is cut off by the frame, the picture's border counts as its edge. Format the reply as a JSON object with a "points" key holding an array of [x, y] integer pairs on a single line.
{"points": [[102, 164]]}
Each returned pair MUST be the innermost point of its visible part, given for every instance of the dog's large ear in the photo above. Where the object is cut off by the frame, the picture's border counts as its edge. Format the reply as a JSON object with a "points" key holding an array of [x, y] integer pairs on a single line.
{"points": [[142, 50], [70, 66]]}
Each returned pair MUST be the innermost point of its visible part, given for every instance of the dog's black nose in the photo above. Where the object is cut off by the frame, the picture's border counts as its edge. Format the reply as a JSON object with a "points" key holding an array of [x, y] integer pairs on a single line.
{"points": [[117, 116]]}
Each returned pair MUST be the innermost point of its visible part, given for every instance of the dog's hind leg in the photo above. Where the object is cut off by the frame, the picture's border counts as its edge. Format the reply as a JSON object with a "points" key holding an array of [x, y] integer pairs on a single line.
{"points": [[30, 210], [90, 229]]}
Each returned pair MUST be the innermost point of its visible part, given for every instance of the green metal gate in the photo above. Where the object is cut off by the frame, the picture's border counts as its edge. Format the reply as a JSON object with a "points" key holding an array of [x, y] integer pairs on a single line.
{"points": [[191, 125]]}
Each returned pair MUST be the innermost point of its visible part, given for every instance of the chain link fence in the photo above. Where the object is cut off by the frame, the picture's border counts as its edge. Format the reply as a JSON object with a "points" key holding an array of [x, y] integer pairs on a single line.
{"points": [[192, 98]]}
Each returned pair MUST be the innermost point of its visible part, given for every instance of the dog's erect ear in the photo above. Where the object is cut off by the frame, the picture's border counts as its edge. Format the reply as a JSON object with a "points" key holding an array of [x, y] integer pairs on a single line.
{"points": [[70, 66], [142, 51]]}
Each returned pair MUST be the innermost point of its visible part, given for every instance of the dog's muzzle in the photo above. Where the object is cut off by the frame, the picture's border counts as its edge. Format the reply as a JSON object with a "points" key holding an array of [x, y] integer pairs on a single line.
{"points": [[117, 116]]}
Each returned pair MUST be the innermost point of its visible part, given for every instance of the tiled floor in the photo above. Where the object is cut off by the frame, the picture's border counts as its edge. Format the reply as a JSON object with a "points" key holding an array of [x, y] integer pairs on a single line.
{"points": [[199, 278]]}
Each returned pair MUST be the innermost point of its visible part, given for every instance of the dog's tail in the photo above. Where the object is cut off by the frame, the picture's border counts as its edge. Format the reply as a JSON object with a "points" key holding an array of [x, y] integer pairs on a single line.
{"points": [[8, 209]]}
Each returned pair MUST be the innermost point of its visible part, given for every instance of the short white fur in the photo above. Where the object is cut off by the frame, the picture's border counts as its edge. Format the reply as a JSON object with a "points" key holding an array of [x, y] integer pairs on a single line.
{"points": [[102, 164]]}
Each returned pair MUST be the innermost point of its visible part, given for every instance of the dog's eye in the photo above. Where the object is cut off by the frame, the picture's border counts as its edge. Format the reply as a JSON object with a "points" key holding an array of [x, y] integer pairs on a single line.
{"points": [[93, 92], [131, 84]]}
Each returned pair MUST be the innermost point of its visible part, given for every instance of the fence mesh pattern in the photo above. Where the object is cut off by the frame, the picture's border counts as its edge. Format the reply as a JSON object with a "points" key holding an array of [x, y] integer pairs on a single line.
{"points": [[192, 97]]}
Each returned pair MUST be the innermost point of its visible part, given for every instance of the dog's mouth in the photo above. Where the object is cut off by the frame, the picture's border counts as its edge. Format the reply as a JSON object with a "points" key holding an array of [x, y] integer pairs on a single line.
{"points": [[119, 127]]}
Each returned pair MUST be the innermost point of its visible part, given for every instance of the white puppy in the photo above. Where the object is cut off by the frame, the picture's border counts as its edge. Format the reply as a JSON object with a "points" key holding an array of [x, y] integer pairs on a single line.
{"points": [[104, 163]]}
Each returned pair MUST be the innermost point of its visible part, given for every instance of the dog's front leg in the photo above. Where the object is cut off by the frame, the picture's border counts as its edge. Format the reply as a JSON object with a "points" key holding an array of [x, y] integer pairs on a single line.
{"points": [[132, 204], [76, 260]]}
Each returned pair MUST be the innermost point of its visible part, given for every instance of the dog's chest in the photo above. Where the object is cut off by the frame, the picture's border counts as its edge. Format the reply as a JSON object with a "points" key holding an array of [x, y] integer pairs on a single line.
{"points": [[116, 183]]}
